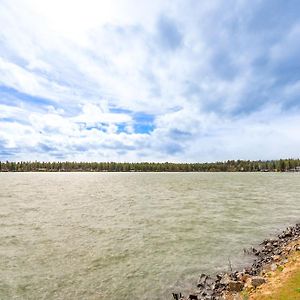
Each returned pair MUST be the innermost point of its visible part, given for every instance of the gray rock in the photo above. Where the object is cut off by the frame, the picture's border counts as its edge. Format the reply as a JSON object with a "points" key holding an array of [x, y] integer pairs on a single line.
{"points": [[257, 281], [273, 267], [235, 286], [225, 279], [202, 280]]}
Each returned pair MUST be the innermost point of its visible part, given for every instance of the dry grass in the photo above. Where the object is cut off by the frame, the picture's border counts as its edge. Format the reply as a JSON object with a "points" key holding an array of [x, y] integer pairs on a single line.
{"points": [[282, 284]]}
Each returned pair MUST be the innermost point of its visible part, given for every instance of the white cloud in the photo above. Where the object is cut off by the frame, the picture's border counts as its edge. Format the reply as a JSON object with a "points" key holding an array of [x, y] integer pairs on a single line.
{"points": [[93, 114], [214, 88]]}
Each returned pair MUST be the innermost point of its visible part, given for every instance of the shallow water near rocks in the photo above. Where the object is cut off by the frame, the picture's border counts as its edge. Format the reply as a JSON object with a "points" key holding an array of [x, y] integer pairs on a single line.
{"points": [[133, 235]]}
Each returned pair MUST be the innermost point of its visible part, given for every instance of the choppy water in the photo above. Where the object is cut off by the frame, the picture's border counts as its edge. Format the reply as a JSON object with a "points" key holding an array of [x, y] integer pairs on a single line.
{"points": [[132, 235]]}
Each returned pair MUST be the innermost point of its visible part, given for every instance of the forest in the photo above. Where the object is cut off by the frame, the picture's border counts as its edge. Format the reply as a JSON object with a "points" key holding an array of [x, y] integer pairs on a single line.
{"points": [[281, 165]]}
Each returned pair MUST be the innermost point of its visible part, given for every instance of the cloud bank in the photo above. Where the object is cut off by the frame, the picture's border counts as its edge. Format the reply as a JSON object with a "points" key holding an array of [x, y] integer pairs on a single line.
{"points": [[180, 81]]}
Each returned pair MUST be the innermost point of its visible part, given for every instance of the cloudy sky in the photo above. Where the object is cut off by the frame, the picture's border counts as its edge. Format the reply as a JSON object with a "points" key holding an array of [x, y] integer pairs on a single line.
{"points": [[182, 81]]}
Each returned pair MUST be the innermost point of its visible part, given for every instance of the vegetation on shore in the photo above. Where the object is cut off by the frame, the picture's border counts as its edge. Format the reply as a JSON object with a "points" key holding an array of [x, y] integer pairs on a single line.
{"points": [[281, 165]]}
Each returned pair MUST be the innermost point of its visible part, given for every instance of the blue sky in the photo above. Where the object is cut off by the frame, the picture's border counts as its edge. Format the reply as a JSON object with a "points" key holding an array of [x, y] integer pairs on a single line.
{"points": [[180, 81]]}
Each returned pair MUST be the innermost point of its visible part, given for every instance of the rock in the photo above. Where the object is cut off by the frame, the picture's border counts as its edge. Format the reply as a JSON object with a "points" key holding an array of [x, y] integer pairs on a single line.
{"points": [[273, 267], [235, 286], [209, 281], [177, 296], [276, 257], [257, 281], [202, 280], [248, 284], [243, 277], [225, 279], [272, 254]]}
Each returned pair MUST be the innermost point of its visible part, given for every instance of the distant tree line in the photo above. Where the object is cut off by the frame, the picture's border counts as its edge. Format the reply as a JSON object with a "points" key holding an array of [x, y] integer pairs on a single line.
{"points": [[282, 165]]}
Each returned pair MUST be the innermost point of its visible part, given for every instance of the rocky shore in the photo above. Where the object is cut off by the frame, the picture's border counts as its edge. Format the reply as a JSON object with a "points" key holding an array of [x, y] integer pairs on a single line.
{"points": [[270, 255]]}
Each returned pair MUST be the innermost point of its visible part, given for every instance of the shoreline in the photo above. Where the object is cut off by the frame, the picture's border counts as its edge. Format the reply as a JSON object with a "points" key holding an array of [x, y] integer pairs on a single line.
{"points": [[282, 282], [271, 255]]}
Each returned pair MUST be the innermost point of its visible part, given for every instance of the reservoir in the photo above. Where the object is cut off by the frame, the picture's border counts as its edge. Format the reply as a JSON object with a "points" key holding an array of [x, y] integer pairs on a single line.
{"points": [[133, 236]]}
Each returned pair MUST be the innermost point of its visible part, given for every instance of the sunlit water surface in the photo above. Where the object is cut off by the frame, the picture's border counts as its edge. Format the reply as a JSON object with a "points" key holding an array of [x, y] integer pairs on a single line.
{"points": [[132, 235]]}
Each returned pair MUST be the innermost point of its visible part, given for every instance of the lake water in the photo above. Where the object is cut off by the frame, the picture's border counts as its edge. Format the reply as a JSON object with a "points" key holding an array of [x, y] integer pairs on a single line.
{"points": [[133, 235]]}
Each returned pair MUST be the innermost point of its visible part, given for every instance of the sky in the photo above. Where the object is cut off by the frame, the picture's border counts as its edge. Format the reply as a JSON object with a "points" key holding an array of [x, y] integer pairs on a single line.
{"points": [[124, 80]]}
